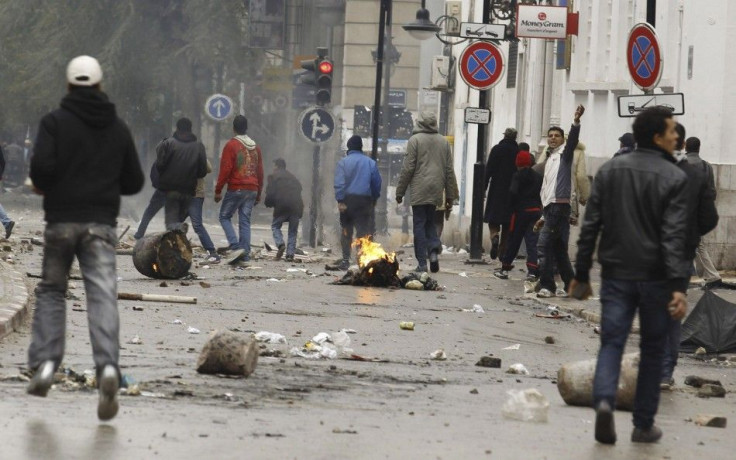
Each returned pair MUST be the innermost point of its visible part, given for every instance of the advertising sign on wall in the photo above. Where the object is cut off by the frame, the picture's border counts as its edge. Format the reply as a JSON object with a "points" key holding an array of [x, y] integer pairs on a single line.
{"points": [[534, 21]]}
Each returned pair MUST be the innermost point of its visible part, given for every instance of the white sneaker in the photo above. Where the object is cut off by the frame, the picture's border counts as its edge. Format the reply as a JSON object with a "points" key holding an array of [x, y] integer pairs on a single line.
{"points": [[107, 407], [545, 294], [560, 292]]}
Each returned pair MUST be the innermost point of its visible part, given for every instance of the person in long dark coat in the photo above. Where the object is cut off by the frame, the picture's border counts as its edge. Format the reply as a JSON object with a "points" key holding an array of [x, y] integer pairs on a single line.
{"points": [[500, 167]]}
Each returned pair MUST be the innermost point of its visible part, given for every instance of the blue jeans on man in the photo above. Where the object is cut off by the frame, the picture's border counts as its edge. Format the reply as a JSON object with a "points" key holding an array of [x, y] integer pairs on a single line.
{"points": [[195, 215], [552, 246], [157, 202], [425, 233], [94, 247], [278, 236], [620, 300], [242, 202]]}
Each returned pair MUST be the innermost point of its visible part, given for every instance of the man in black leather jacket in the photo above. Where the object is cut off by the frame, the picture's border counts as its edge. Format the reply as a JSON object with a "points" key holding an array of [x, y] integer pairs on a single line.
{"points": [[639, 205]]}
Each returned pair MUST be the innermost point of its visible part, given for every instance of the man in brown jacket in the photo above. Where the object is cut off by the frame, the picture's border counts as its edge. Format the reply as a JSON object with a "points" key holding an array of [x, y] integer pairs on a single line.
{"points": [[429, 171]]}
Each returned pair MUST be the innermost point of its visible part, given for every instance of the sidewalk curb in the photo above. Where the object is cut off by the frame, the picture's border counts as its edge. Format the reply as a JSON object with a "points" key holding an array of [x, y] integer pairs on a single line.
{"points": [[14, 307]]}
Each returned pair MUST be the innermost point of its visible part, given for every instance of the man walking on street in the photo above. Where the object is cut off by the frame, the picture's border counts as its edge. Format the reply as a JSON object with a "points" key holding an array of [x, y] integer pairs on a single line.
{"points": [[500, 168], [357, 188], [556, 196], [704, 266], [428, 169], [84, 159], [181, 160], [241, 169], [639, 205], [284, 195], [4, 219]]}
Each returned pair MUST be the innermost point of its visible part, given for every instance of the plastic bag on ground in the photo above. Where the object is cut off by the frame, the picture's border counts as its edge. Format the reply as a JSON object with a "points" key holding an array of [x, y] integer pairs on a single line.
{"points": [[270, 337], [526, 405]]}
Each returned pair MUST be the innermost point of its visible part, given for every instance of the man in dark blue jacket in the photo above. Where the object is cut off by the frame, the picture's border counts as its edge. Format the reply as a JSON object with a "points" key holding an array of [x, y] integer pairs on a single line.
{"points": [[84, 160], [357, 188]]}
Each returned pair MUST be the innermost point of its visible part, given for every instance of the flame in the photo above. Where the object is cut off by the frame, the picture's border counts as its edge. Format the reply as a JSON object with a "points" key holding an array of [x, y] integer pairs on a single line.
{"points": [[155, 268], [369, 251]]}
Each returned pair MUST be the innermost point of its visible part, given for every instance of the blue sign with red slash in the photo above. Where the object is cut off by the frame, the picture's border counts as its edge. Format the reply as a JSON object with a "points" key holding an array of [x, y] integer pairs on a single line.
{"points": [[481, 65], [644, 57]]}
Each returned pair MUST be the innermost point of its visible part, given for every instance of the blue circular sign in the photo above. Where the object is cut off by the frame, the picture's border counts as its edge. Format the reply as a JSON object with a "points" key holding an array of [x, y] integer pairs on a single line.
{"points": [[316, 124], [481, 65], [218, 107]]}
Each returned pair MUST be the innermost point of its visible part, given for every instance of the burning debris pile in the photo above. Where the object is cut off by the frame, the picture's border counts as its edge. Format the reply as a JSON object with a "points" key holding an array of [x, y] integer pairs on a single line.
{"points": [[163, 255], [378, 268]]}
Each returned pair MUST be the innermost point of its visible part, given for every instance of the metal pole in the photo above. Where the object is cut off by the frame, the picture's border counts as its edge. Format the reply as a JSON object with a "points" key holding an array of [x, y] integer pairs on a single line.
{"points": [[476, 217], [314, 207], [379, 69], [384, 161]]}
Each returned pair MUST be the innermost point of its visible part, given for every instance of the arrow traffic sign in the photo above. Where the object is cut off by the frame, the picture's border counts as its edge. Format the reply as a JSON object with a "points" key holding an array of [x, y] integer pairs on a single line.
{"points": [[644, 56], [481, 65], [630, 106], [218, 107], [316, 124]]}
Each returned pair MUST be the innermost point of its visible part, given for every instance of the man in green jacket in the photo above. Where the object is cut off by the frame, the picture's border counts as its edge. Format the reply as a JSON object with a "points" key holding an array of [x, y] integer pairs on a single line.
{"points": [[428, 170]]}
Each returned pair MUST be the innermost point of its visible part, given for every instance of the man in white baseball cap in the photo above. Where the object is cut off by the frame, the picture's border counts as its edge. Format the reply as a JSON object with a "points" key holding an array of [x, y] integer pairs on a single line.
{"points": [[84, 159]]}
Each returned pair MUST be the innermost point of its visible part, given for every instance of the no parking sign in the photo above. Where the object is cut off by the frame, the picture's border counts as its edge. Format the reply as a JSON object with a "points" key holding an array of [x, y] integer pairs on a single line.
{"points": [[481, 65], [644, 57]]}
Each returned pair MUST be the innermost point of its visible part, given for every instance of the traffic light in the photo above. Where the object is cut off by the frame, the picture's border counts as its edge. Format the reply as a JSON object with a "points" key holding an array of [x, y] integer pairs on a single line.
{"points": [[310, 76], [324, 81]]}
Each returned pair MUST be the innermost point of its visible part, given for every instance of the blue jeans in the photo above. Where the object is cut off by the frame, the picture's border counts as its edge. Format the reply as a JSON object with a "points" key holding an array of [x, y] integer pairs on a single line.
{"points": [[278, 236], [552, 246], [157, 202], [4, 219], [94, 246], [425, 233], [195, 214], [620, 299], [241, 201], [672, 352], [176, 209]]}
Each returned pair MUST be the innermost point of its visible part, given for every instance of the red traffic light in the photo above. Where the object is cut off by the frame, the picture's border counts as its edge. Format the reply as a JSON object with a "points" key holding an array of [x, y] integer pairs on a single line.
{"points": [[325, 67]]}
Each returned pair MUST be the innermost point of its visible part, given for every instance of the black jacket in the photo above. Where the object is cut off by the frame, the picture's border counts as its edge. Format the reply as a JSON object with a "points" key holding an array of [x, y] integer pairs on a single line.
{"points": [[284, 194], [526, 185], [180, 160], [500, 167], [84, 160], [639, 205], [702, 213]]}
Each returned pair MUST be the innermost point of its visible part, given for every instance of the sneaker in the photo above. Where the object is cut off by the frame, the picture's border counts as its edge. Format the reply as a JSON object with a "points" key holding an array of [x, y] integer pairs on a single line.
{"points": [[290, 258], [545, 294], [421, 269], [107, 407], [434, 262], [605, 429], [652, 434], [212, 259], [280, 251], [561, 293], [501, 274], [42, 380], [344, 264], [9, 229], [494, 247], [235, 256], [532, 278], [667, 384]]}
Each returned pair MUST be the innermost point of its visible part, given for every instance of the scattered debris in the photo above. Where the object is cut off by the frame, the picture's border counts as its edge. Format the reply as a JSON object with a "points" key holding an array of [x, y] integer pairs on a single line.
{"points": [[406, 325], [474, 391], [597, 330], [137, 308], [553, 310], [177, 321], [270, 337], [229, 354], [192, 330], [438, 355], [339, 431], [513, 347], [700, 351], [205, 285], [526, 405], [136, 340], [549, 339], [711, 391], [463, 274], [575, 382], [489, 361], [697, 382], [156, 298], [414, 285], [518, 369], [714, 421], [476, 309]]}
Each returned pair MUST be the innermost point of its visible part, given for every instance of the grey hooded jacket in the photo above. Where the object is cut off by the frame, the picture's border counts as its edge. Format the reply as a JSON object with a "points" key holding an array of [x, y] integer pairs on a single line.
{"points": [[428, 167]]}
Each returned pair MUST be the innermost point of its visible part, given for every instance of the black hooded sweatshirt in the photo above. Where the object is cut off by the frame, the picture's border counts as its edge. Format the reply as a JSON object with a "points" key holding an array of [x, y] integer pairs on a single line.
{"points": [[84, 159]]}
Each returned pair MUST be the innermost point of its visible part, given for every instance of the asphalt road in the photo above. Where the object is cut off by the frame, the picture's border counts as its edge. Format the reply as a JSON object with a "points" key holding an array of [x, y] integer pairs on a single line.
{"points": [[406, 406]]}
